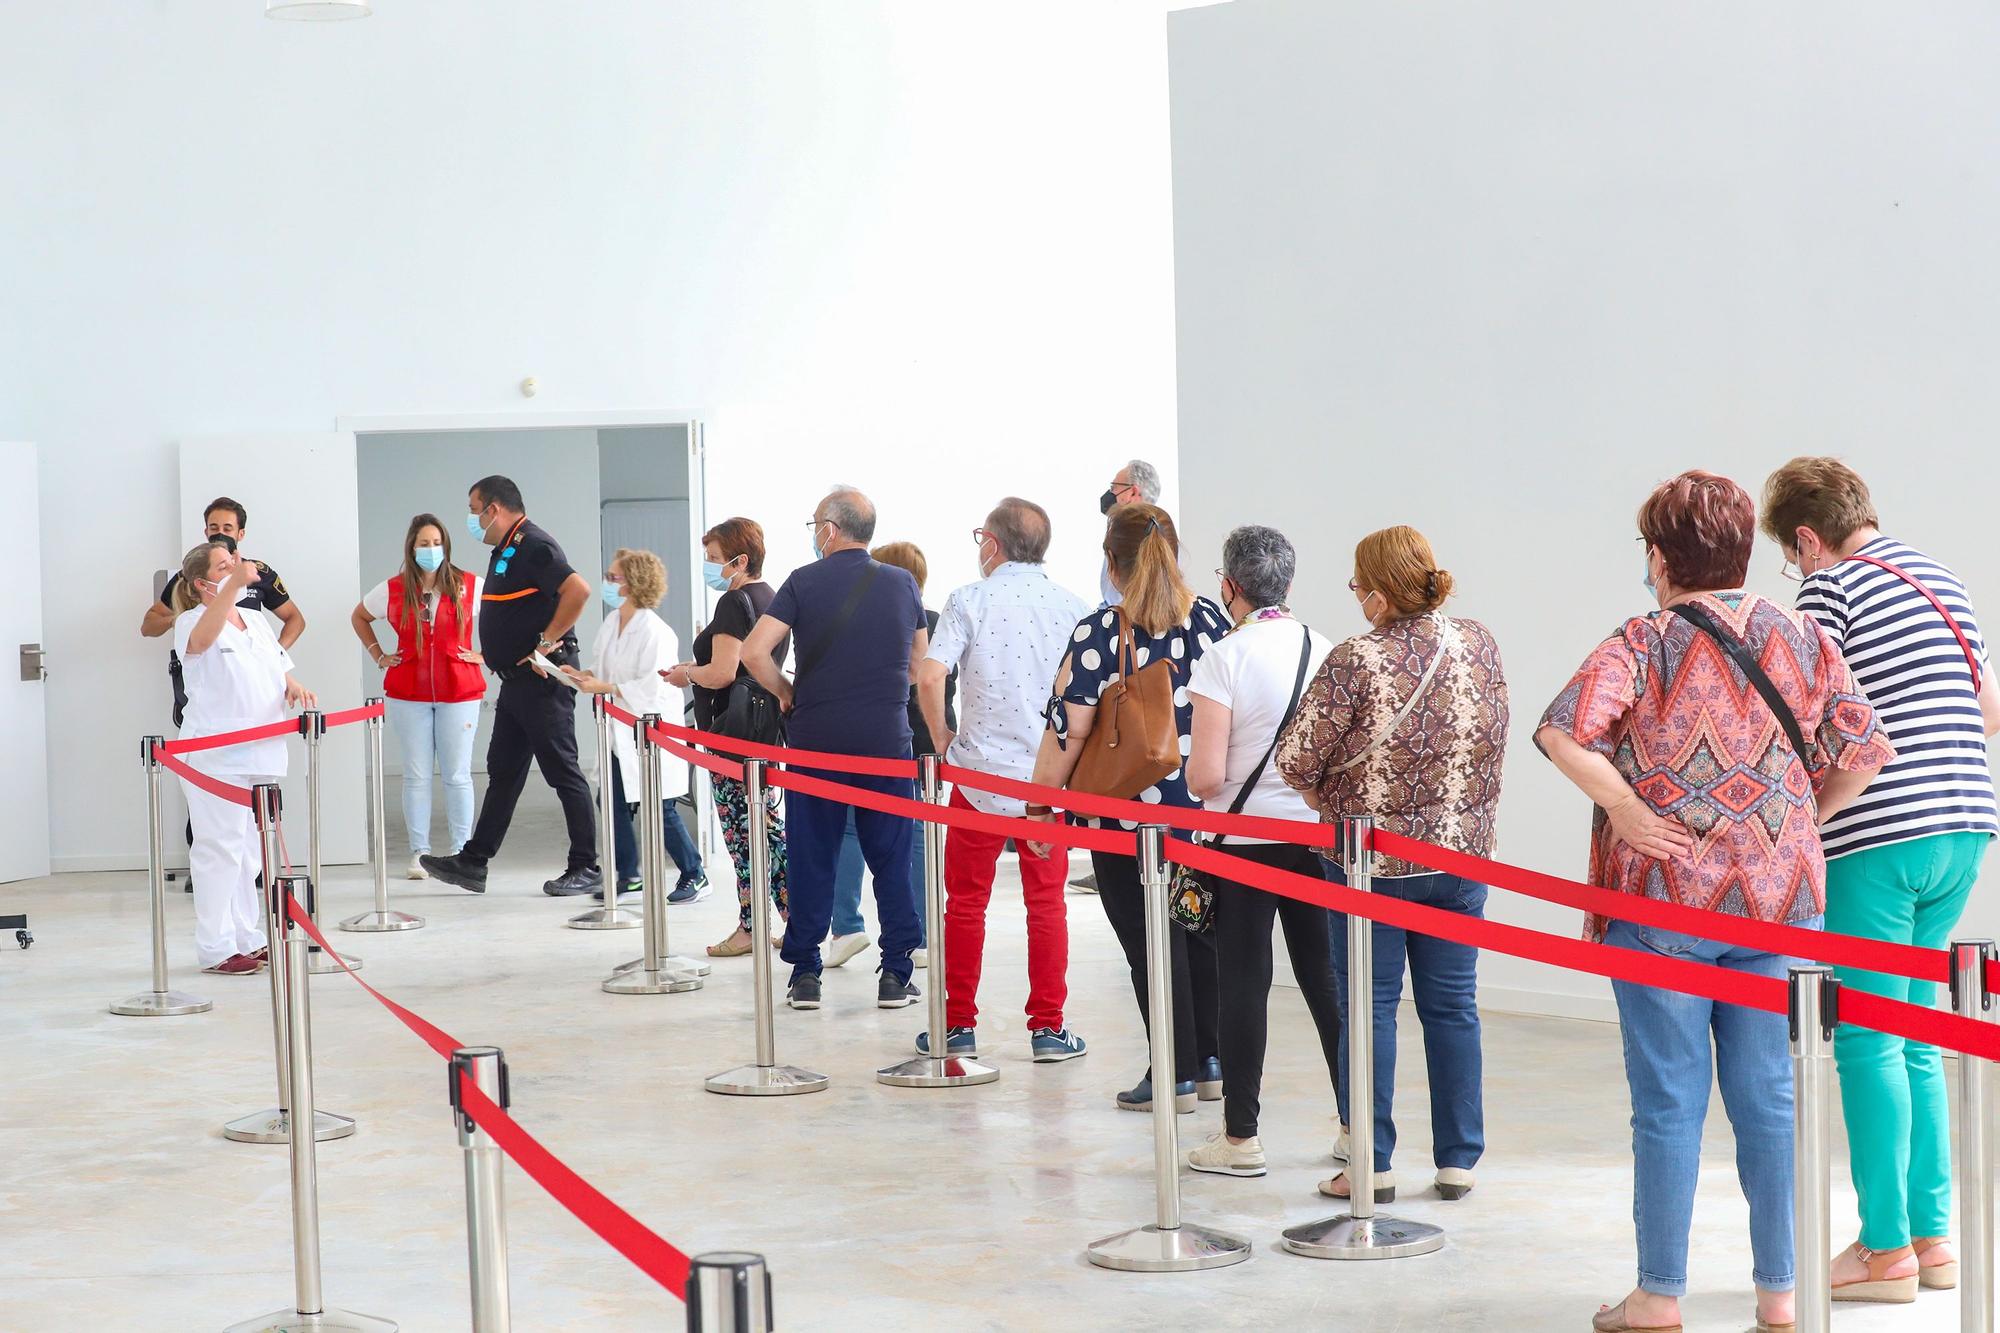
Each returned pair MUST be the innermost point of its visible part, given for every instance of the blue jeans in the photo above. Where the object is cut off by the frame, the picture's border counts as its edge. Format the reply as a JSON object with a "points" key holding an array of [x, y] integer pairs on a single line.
{"points": [[625, 839], [1669, 1061], [847, 882], [814, 830], [1444, 985], [442, 733]]}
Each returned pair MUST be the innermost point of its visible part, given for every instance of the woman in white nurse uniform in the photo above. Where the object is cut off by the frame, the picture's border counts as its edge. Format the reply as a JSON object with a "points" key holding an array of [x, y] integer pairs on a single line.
{"points": [[237, 677], [633, 651]]}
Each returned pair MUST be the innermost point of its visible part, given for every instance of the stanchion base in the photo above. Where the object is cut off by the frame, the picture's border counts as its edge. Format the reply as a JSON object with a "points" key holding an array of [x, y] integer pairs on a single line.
{"points": [[607, 918], [275, 1126], [1185, 1249], [694, 965], [326, 1321], [766, 1081], [369, 922], [673, 977], [1377, 1237], [319, 963], [926, 1071], [161, 1004]]}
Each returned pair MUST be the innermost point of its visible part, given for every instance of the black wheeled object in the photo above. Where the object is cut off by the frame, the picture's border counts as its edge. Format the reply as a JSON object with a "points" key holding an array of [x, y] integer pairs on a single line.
{"points": [[18, 923]]}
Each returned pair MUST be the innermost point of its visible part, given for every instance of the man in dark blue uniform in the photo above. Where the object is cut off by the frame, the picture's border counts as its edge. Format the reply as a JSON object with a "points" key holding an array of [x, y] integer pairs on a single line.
{"points": [[529, 604]]}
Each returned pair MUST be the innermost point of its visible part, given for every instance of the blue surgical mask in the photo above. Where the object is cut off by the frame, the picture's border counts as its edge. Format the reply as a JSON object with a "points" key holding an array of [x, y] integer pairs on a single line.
{"points": [[429, 558], [475, 527], [614, 596], [1651, 587], [712, 575], [817, 553]]}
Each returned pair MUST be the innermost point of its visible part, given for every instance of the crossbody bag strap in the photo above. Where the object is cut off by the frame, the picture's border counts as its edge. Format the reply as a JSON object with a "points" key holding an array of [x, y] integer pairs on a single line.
{"points": [[1409, 705], [1739, 653], [839, 622], [1965, 644], [1298, 692]]}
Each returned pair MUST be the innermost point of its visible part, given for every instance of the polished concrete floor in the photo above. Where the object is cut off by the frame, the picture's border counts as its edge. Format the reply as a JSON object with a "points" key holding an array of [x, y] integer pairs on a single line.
{"points": [[122, 1207]]}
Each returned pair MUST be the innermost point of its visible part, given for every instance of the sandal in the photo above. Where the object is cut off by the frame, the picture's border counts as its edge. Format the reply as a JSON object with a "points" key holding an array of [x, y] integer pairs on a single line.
{"points": [[1338, 1188], [1878, 1285], [735, 946], [1611, 1319], [1939, 1275]]}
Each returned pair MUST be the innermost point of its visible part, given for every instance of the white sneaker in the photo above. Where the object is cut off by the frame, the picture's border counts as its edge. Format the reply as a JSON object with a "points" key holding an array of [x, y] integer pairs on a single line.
{"points": [[920, 958], [842, 949], [417, 870], [1222, 1158]]}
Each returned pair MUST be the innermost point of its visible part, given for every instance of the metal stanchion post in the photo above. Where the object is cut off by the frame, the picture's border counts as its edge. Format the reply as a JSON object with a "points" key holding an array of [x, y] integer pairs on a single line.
{"points": [[159, 1002], [308, 1310], [765, 1078], [939, 1069], [312, 726], [658, 972], [610, 916], [381, 918], [1971, 998], [1168, 1244], [485, 1190], [728, 1291], [1814, 1006], [1361, 1232]]}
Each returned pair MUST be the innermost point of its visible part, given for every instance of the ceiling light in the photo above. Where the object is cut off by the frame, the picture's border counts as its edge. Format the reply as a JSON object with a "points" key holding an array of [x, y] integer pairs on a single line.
{"points": [[316, 9]]}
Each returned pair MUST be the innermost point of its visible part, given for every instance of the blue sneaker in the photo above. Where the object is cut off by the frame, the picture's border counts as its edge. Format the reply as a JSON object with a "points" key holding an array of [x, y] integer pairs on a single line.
{"points": [[691, 889], [1053, 1044], [1140, 1098], [957, 1041]]}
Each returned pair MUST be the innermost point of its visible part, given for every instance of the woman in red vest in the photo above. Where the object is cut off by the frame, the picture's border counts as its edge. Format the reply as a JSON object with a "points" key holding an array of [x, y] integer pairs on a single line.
{"points": [[433, 678]]}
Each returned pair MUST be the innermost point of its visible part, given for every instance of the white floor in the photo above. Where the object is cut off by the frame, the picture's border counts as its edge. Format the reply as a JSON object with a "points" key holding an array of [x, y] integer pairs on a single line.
{"points": [[122, 1207]]}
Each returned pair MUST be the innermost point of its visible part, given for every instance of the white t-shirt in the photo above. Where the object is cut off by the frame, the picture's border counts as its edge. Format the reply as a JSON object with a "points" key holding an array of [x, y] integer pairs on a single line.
{"points": [[376, 601], [236, 683], [1250, 672]]}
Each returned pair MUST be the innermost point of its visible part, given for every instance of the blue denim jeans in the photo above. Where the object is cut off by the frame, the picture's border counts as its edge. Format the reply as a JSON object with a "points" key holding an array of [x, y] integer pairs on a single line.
{"points": [[435, 738], [1674, 1045], [1444, 986], [814, 830], [847, 882], [625, 839]]}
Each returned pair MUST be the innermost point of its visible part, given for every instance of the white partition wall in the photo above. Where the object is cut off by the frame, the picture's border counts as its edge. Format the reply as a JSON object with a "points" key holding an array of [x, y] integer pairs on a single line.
{"points": [[1495, 269]]}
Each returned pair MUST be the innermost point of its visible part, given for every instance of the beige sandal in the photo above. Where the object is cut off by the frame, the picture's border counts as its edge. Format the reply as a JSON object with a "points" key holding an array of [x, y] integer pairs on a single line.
{"points": [[1878, 1285], [1611, 1319], [1339, 1188], [735, 946], [1939, 1276]]}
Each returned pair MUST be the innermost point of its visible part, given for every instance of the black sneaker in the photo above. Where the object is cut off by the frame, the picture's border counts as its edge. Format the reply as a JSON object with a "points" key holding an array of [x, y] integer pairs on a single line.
{"points": [[457, 872], [574, 883], [803, 993], [690, 890], [893, 994]]}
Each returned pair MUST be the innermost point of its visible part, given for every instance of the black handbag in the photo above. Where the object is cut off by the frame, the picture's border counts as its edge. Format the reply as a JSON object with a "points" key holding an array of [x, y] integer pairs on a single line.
{"points": [[1191, 902]]}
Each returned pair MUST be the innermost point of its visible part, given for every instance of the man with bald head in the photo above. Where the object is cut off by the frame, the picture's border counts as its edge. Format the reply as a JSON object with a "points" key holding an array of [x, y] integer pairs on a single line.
{"points": [[858, 633]]}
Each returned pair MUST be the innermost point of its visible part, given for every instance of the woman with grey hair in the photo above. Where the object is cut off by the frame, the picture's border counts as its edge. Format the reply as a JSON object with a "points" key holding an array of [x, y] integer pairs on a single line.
{"points": [[1245, 688]]}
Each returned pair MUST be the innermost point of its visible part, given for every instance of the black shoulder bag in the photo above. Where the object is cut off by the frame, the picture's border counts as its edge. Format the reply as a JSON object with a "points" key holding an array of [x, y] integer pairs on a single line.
{"points": [[1740, 654], [1192, 902]]}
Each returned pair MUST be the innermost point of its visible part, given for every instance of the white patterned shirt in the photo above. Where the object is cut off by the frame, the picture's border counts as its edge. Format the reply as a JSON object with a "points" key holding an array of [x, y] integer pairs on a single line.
{"points": [[1006, 635]]}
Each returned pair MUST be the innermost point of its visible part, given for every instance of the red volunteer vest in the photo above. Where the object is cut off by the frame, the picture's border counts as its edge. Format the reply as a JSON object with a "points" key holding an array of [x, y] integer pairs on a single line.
{"points": [[435, 675]]}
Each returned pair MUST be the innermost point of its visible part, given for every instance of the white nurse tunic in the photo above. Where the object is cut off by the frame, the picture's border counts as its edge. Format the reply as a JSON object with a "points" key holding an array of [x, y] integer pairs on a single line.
{"points": [[631, 659]]}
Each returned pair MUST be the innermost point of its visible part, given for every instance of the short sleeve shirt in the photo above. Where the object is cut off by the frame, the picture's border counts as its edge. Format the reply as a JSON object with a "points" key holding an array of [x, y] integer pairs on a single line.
{"points": [[734, 615], [1251, 672], [853, 693], [523, 577], [1094, 664], [376, 600]]}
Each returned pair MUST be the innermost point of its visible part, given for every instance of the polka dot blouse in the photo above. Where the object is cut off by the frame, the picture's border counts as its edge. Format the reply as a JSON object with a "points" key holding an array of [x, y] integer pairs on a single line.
{"points": [[1093, 664]]}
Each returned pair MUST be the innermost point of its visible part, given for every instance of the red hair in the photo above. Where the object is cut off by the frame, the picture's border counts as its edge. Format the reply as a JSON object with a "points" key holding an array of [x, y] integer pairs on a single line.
{"points": [[1703, 526]]}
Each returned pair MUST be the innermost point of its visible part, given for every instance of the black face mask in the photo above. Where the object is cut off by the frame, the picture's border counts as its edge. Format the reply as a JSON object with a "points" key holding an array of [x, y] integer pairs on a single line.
{"points": [[1107, 501], [225, 541]]}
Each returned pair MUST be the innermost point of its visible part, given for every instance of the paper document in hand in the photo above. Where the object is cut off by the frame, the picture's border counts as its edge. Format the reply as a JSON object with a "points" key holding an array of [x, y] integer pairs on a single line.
{"points": [[555, 672]]}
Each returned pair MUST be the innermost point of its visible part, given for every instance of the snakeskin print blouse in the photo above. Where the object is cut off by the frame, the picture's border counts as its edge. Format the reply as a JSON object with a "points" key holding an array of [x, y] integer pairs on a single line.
{"points": [[1436, 776]]}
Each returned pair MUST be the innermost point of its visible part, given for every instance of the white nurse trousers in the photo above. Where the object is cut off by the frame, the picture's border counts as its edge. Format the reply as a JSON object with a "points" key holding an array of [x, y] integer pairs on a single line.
{"points": [[225, 860]]}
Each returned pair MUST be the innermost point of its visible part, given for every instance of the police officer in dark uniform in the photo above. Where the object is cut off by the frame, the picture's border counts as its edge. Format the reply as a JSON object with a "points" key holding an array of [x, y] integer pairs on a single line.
{"points": [[529, 604]]}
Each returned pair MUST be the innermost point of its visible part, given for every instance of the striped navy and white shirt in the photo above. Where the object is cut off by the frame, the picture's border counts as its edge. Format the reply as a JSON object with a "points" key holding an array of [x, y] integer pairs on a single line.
{"points": [[1910, 665]]}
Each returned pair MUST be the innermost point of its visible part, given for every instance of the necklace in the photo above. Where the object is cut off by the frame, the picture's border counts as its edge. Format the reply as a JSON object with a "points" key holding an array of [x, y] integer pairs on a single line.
{"points": [[1279, 612]]}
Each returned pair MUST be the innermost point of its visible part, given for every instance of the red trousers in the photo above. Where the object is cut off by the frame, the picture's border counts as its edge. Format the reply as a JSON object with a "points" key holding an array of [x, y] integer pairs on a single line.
{"points": [[970, 858]]}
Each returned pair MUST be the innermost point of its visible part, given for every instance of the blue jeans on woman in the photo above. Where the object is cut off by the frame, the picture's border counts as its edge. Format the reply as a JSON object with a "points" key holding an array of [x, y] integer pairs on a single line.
{"points": [[1674, 1043], [847, 882], [625, 840], [435, 738], [1443, 982]]}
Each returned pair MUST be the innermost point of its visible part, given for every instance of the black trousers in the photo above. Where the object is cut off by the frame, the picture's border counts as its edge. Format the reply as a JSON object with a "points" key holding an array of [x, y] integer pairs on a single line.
{"points": [[1194, 968], [1243, 926], [534, 720]]}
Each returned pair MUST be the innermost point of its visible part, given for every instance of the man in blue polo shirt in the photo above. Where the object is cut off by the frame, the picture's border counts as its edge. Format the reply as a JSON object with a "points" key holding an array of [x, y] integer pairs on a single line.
{"points": [[857, 630]]}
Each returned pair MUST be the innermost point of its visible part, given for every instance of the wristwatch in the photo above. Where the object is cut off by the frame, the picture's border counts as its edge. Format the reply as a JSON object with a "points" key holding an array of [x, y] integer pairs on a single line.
{"points": [[546, 646]]}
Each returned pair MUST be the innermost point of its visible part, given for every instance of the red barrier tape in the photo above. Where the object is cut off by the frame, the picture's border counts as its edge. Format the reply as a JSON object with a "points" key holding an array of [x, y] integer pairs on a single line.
{"points": [[289, 727], [1906, 960], [585, 1202], [1139, 812], [228, 791], [713, 763], [779, 754], [361, 714], [1057, 835]]}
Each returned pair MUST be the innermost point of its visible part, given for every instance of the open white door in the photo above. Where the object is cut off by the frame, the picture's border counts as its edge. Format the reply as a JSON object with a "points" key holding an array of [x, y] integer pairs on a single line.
{"points": [[24, 815], [299, 492]]}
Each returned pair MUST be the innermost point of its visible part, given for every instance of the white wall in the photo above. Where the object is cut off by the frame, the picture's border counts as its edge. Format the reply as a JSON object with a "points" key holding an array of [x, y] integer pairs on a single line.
{"points": [[923, 248], [1496, 269]]}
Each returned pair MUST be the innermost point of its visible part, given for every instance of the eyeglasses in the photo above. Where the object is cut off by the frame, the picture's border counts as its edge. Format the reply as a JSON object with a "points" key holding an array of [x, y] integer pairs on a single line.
{"points": [[1354, 585], [1792, 572], [979, 536]]}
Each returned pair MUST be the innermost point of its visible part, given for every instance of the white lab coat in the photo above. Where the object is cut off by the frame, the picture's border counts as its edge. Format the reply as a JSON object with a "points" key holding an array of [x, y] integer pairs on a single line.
{"points": [[237, 682], [632, 659]]}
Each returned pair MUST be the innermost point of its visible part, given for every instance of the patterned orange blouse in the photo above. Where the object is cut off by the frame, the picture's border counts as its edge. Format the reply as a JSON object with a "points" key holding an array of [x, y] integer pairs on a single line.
{"points": [[1679, 722], [1433, 776]]}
